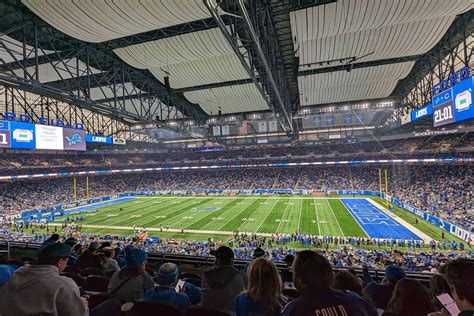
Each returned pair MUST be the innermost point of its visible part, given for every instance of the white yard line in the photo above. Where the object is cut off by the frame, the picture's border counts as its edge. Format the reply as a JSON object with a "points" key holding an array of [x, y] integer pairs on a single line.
{"points": [[238, 213], [172, 230], [317, 217], [281, 219], [402, 222], [265, 219], [299, 217], [355, 219], [204, 215], [334, 215]]}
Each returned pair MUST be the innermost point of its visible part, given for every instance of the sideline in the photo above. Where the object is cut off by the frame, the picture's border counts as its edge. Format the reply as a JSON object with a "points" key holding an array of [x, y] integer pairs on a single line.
{"points": [[402, 222]]}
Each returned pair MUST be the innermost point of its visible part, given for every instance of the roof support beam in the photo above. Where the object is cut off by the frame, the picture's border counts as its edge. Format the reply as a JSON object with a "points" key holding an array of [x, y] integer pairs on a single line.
{"points": [[251, 35], [350, 66], [34, 32], [462, 26]]}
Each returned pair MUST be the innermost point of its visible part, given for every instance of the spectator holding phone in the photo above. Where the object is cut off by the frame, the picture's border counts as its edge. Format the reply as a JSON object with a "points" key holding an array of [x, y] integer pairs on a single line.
{"points": [[166, 292], [460, 276]]}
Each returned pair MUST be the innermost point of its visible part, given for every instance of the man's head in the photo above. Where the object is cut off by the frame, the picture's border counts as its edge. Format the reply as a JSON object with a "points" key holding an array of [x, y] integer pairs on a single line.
{"points": [[312, 270], [54, 237], [71, 241], [258, 252], [289, 259], [135, 258], [460, 275], [168, 275], [394, 273], [56, 254], [224, 256]]}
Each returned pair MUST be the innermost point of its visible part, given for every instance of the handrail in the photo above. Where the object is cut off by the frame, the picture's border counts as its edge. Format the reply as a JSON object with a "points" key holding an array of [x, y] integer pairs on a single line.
{"points": [[377, 274]]}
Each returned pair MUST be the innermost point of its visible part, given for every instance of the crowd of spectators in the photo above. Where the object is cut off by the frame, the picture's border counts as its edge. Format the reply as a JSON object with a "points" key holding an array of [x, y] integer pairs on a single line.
{"points": [[127, 157], [70, 277], [443, 190]]}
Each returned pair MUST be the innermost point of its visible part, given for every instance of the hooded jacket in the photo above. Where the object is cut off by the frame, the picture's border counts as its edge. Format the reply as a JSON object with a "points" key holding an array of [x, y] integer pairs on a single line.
{"points": [[39, 289], [220, 287]]}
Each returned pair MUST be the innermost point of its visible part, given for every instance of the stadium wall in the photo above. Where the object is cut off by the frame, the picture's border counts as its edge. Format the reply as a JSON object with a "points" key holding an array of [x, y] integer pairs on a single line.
{"points": [[48, 214]]}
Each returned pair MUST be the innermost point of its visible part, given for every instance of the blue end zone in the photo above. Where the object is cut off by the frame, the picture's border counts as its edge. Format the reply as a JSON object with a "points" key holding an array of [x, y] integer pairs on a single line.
{"points": [[376, 223], [92, 207]]}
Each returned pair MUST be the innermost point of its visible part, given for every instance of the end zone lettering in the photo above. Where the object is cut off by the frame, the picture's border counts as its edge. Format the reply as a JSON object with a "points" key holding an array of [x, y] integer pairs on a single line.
{"points": [[24, 118]]}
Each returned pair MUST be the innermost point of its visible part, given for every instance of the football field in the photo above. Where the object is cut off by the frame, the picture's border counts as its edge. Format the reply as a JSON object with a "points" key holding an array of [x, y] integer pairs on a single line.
{"points": [[315, 216]]}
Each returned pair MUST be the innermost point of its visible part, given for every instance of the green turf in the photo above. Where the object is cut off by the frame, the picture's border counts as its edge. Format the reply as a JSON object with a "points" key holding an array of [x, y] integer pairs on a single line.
{"points": [[216, 214]]}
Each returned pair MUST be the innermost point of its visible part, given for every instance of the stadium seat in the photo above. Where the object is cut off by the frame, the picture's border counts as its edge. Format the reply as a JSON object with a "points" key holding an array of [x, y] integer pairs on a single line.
{"points": [[91, 271], [98, 298], [291, 294], [72, 269], [186, 275], [27, 259], [96, 283], [201, 311], [150, 308], [79, 279], [193, 281], [15, 262]]}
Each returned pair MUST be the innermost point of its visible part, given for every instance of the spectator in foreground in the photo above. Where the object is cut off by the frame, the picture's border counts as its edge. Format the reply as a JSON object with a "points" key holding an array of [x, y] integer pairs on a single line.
{"points": [[287, 275], [222, 283], [264, 294], [344, 280], [109, 265], [439, 285], [380, 293], [89, 258], [314, 278], [165, 292], [6, 272], [460, 275], [39, 289], [131, 282], [409, 298]]}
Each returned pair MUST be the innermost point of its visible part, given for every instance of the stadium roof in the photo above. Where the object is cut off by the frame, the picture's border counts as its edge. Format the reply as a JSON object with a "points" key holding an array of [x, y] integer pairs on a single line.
{"points": [[179, 55]]}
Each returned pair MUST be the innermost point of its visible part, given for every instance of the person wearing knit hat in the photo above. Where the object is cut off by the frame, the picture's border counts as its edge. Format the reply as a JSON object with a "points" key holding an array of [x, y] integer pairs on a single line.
{"points": [[135, 257], [165, 292], [379, 294], [131, 282], [6, 272]]}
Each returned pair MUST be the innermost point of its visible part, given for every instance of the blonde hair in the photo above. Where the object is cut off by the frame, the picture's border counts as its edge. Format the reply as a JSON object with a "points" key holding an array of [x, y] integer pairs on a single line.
{"points": [[265, 284]]}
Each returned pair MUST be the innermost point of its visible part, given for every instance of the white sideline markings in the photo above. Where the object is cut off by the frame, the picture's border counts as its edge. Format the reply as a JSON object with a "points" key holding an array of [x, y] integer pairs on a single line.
{"points": [[402, 222]]}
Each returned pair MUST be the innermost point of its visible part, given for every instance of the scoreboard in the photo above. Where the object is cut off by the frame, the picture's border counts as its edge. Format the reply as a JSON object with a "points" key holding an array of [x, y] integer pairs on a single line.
{"points": [[454, 104], [19, 135]]}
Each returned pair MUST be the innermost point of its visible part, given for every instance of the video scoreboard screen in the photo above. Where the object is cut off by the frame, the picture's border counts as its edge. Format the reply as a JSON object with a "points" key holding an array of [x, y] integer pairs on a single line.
{"points": [[20, 135], [454, 104]]}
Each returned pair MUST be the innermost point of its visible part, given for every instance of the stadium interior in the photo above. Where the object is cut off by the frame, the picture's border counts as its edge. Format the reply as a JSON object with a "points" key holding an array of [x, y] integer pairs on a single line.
{"points": [[236, 157]]}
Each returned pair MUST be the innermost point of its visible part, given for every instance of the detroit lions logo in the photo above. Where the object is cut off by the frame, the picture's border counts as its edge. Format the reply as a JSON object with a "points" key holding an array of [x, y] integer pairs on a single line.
{"points": [[76, 138]]}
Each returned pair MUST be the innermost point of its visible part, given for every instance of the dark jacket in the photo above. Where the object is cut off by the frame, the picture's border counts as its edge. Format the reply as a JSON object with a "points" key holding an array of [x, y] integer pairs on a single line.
{"points": [[220, 287], [89, 260], [328, 302], [379, 293]]}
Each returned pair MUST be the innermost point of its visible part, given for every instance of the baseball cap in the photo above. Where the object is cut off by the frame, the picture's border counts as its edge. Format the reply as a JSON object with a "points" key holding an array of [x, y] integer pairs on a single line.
{"points": [[56, 250]]}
